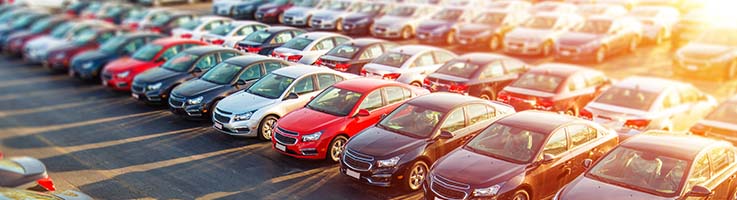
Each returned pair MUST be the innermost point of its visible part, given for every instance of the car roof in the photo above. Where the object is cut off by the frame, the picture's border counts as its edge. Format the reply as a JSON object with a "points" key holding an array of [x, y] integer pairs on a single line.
{"points": [[444, 101], [482, 58], [246, 59], [171, 40], [651, 84], [542, 122], [199, 50], [560, 70], [141, 34], [414, 49], [212, 17], [685, 147], [275, 29], [363, 85], [245, 23], [300, 70], [319, 35], [362, 42]]}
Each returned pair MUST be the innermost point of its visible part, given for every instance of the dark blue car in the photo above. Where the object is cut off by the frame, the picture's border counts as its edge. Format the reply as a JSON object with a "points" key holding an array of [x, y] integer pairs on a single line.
{"points": [[439, 28], [87, 65], [264, 41]]}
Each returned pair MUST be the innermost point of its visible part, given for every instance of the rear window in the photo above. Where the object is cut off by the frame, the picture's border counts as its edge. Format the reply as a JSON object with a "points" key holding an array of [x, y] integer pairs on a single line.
{"points": [[258, 36], [458, 69], [191, 25], [344, 51], [628, 98], [539, 82], [298, 43], [392, 59], [223, 30], [8, 165]]}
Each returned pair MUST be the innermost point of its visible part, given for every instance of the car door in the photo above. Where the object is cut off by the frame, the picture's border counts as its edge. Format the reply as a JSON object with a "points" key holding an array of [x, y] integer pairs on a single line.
{"points": [[375, 103], [723, 168], [551, 176], [700, 174], [583, 145], [249, 75], [455, 123], [301, 86], [205, 63], [479, 117]]}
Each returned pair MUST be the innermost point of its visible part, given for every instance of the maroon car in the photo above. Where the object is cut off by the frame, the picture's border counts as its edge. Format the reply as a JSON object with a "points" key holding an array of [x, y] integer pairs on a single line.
{"points": [[273, 12], [659, 165], [527, 155], [555, 87], [60, 57], [17, 41]]}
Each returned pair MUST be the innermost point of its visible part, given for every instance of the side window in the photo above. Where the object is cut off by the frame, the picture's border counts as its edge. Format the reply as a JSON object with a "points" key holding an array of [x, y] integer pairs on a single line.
{"points": [[271, 66], [514, 67], [424, 60], [325, 44], [132, 46], [206, 62], [720, 159], [580, 134], [700, 171], [252, 73], [245, 31], [225, 55], [689, 95], [394, 94], [339, 78], [171, 52], [442, 57], [340, 40], [493, 70], [671, 100], [372, 52], [325, 80], [576, 82], [282, 38], [305, 85], [213, 25], [189, 45], [455, 121], [557, 144], [479, 112], [372, 101]]}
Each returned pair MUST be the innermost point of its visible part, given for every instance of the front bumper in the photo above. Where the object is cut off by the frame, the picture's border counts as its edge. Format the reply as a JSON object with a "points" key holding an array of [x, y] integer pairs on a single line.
{"points": [[35, 56], [57, 63], [323, 24], [292, 145], [224, 123], [179, 106], [382, 177], [431, 37], [472, 40], [574, 54], [384, 32], [522, 48], [295, 20], [120, 84], [699, 68], [139, 92], [355, 29]]}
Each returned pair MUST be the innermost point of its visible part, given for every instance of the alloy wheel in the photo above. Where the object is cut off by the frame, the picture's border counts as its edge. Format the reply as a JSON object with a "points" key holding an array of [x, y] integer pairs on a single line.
{"points": [[451, 37], [406, 33], [417, 175], [337, 147], [266, 129], [521, 195]]}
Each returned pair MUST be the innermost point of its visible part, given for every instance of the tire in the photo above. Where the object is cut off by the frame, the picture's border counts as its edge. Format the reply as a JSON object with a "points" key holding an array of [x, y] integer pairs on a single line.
{"points": [[266, 127], [339, 25], [633, 44], [488, 96], [547, 49], [572, 112], [336, 148], [280, 18], [309, 21], [406, 33], [731, 71], [495, 43], [600, 55], [415, 176], [450, 38], [416, 84], [521, 195]]}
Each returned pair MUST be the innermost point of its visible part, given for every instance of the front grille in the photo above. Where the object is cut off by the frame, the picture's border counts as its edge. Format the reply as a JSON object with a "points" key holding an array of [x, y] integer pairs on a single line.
{"points": [[448, 189], [221, 118], [176, 102], [137, 88], [107, 76], [224, 112], [292, 133], [357, 160], [284, 139]]}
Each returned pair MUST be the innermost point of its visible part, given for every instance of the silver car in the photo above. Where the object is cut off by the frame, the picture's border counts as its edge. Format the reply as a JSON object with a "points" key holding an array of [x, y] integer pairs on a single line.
{"points": [[555, 7], [538, 35], [230, 34], [332, 19], [195, 29], [408, 64], [402, 21], [37, 49], [301, 13], [308, 47], [254, 112], [657, 21]]}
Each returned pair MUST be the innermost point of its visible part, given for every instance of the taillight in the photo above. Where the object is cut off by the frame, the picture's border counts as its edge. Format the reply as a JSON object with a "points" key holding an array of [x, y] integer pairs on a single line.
{"points": [[427, 81], [71, 12], [318, 62], [585, 114], [699, 129], [638, 124], [46, 183], [156, 29], [218, 42], [273, 54], [503, 96], [458, 88], [133, 25], [342, 67], [544, 103], [111, 20], [391, 76], [255, 50], [294, 58], [363, 72], [186, 35]]}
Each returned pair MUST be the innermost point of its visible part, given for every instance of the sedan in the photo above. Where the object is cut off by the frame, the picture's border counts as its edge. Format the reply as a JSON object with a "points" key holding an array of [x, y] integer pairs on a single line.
{"points": [[489, 28], [658, 165], [527, 155], [138, 19], [402, 21], [539, 34], [598, 38], [657, 21], [636, 104], [399, 150], [333, 19], [88, 40], [154, 85], [88, 65], [37, 50], [601, 10], [408, 64], [264, 41], [15, 42], [24, 172], [238, 9], [198, 27], [352, 56], [308, 47], [712, 55], [359, 22], [118, 12], [20, 23], [255, 111], [721, 123], [166, 23], [273, 12], [301, 13], [196, 98], [229, 34], [481, 75], [439, 29]]}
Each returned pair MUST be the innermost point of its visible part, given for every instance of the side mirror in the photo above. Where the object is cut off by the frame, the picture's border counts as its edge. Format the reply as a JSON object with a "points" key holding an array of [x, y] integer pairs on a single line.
{"points": [[240, 82], [382, 116], [587, 163], [161, 60], [445, 135], [292, 96], [547, 158], [699, 191], [196, 70], [363, 113]]}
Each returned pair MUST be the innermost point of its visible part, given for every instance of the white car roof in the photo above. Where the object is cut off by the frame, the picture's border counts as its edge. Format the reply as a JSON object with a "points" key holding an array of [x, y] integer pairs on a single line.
{"points": [[299, 70], [651, 84], [415, 49]]}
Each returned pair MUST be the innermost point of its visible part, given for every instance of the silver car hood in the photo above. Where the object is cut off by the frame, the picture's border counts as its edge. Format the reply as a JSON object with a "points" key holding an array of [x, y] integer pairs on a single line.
{"points": [[242, 102], [328, 14], [298, 11], [44, 43]]}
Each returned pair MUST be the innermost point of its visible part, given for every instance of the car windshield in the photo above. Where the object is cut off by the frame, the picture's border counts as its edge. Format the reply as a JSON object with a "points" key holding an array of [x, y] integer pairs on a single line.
{"points": [[23, 21], [718, 37], [113, 44], [727, 112], [628, 98], [402, 11], [77, 5], [539, 82], [259, 36], [137, 15], [335, 101], [392, 59], [508, 143], [271, 86], [344, 51], [540, 22], [180, 63], [147, 52], [84, 37], [41, 26], [335, 5], [305, 3], [448, 15], [223, 30], [458, 69], [298, 43], [642, 171], [191, 25], [368, 7], [490, 18], [160, 20], [61, 30], [411, 120], [9, 165], [596, 26], [222, 73]]}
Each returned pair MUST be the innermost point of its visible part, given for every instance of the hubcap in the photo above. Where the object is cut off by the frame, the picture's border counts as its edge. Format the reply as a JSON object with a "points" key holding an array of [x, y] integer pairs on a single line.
{"points": [[600, 55], [494, 43], [416, 84], [268, 128], [485, 97], [337, 149], [417, 176], [520, 197], [546, 49], [451, 38], [405, 33], [339, 25]]}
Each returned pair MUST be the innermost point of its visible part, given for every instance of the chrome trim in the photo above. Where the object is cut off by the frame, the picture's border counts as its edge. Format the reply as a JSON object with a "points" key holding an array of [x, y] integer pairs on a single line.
{"points": [[443, 182], [358, 157], [282, 142]]}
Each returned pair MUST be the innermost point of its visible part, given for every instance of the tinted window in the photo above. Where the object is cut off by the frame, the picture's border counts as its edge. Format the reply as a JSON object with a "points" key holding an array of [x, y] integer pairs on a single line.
{"points": [[171, 52], [271, 66], [576, 82], [557, 143], [514, 66], [442, 57], [298, 43], [479, 112], [720, 159], [325, 80], [458, 68], [245, 31], [493, 70], [206, 62], [344, 51], [372, 101], [147, 52], [253, 72], [304, 85], [628, 98], [581, 134], [225, 55], [281, 38], [700, 172], [325, 44], [392, 59], [455, 121], [372, 52], [394, 94], [539, 82], [508, 143], [424, 60], [258, 36]]}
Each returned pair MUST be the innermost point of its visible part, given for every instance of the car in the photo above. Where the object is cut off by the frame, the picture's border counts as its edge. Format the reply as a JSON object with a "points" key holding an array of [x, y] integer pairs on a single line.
{"points": [[602, 10], [154, 86], [359, 21], [657, 21], [334, 18], [720, 123], [12, 193], [399, 150], [481, 75], [37, 50], [117, 13], [273, 12], [407, 64], [538, 35], [88, 65], [255, 111], [162, 2], [15, 43], [658, 166], [75, 8], [337, 114], [119, 74], [195, 29], [402, 21], [639, 103], [599, 38], [166, 23], [690, 26], [59, 58], [526, 155], [713, 55], [138, 19], [24, 172], [553, 7], [555, 87], [353, 55], [90, 11], [195, 99], [238, 9], [439, 29], [229, 34], [489, 28], [264, 41], [20, 23], [308, 47], [508, 5], [301, 13]]}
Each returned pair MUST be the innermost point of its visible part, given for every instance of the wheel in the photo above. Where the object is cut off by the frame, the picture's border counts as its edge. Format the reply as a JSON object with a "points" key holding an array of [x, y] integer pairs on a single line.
{"points": [[494, 43], [336, 148], [633, 44], [660, 38], [451, 37], [339, 25], [416, 84], [731, 71], [521, 195], [572, 112], [280, 18], [547, 48], [406, 33], [487, 96], [600, 55], [266, 127], [415, 175], [309, 21]]}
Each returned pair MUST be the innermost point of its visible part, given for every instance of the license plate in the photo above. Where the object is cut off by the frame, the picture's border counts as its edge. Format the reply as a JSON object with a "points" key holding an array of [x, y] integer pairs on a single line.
{"points": [[134, 95], [280, 147], [692, 67], [71, 73], [422, 36], [219, 126], [104, 82], [353, 174]]}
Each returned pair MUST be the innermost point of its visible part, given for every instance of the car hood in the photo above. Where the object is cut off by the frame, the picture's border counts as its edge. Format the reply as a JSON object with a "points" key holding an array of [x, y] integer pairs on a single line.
{"points": [[295, 121], [327, 14], [353, 17], [578, 39], [96, 55], [529, 34], [475, 169], [388, 21], [124, 64], [196, 87], [432, 24], [45, 43], [472, 29], [242, 102], [382, 144], [585, 188], [700, 51], [156, 74]]}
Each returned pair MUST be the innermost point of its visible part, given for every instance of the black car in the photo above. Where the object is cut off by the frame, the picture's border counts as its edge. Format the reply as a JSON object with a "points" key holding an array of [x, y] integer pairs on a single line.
{"points": [[165, 23], [489, 28], [153, 86], [399, 150], [477, 74], [87, 65], [439, 29], [196, 98], [264, 41], [359, 23], [238, 9], [352, 56]]}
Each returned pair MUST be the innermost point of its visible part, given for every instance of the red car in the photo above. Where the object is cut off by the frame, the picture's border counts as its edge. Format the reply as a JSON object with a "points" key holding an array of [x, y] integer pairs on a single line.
{"points": [[336, 114], [60, 57], [17, 41], [555, 87], [119, 73]]}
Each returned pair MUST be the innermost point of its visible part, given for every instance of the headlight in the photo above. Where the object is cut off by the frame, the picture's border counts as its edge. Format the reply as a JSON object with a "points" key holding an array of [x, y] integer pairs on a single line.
{"points": [[311, 137], [273, 10], [87, 65], [194, 101], [391, 162], [123, 74], [60, 56], [724, 58], [243, 116], [153, 87], [486, 192]]}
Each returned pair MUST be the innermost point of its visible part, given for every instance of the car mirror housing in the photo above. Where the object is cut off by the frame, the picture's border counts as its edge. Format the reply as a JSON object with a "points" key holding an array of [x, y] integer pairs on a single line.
{"points": [[240, 82], [196, 70], [587, 163], [547, 158], [445, 135], [699, 191], [363, 113], [292, 96]]}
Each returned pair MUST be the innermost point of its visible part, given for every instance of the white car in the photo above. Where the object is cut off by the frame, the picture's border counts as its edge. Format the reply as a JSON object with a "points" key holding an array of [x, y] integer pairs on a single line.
{"points": [[300, 14], [607, 10], [408, 64], [553, 7], [51, 4], [509, 5], [254, 112], [332, 19], [195, 29], [657, 21], [230, 34], [402, 21], [308, 47], [540, 33], [143, 18], [37, 49]]}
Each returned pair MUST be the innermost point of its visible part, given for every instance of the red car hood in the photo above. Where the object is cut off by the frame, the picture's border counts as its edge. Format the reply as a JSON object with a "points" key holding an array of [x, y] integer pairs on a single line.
{"points": [[125, 64], [307, 121]]}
